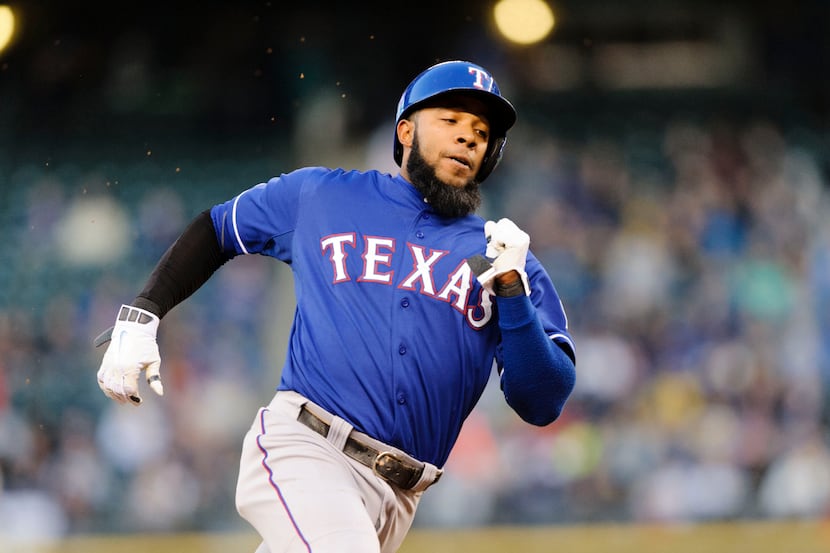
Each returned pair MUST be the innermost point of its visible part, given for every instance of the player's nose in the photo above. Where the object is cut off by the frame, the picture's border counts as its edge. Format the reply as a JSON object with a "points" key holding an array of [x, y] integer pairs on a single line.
{"points": [[467, 136]]}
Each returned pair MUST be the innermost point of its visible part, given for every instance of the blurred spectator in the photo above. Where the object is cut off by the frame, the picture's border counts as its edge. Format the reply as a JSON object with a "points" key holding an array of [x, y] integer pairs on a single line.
{"points": [[798, 482]]}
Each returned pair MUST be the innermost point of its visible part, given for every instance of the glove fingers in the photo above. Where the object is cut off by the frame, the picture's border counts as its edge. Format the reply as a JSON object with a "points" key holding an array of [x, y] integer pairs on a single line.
{"points": [[154, 378], [108, 392], [113, 387], [492, 251], [126, 385], [129, 385], [507, 234], [123, 389], [507, 247], [489, 228]]}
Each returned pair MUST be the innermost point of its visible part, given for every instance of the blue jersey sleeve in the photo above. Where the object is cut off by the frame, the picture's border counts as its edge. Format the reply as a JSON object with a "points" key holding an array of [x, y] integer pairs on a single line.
{"points": [[536, 354], [549, 309], [263, 218]]}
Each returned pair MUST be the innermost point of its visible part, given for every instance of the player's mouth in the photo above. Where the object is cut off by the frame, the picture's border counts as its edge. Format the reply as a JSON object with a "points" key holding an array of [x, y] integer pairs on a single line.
{"points": [[462, 161]]}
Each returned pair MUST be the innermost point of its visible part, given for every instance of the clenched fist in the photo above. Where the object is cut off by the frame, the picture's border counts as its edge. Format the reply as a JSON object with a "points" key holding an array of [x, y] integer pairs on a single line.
{"points": [[507, 247], [132, 349]]}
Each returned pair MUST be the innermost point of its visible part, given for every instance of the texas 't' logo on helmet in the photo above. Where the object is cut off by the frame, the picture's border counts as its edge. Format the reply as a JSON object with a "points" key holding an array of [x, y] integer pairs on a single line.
{"points": [[482, 79]]}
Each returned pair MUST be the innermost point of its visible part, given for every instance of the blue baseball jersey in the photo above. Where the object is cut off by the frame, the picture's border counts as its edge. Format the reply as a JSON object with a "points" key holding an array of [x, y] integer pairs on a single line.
{"points": [[392, 331]]}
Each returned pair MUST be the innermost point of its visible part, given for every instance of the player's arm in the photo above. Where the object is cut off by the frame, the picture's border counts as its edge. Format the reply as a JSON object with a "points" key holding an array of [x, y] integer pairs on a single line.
{"points": [[538, 374], [186, 265], [259, 220]]}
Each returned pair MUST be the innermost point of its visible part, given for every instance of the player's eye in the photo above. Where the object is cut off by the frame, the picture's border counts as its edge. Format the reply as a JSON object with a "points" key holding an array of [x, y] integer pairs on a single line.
{"points": [[482, 133]]}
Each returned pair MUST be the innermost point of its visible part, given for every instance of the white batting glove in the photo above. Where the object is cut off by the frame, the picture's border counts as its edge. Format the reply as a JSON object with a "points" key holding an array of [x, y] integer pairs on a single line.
{"points": [[132, 349], [507, 247]]}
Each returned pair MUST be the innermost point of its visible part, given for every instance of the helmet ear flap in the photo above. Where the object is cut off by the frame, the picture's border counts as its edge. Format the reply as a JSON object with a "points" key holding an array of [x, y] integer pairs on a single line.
{"points": [[491, 158]]}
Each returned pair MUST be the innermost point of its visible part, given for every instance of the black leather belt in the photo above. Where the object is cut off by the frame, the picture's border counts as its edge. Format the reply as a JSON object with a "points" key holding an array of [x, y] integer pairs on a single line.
{"points": [[394, 466]]}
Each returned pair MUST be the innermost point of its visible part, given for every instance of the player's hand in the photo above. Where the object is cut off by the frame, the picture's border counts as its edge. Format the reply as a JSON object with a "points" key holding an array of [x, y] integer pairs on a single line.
{"points": [[132, 349], [507, 247]]}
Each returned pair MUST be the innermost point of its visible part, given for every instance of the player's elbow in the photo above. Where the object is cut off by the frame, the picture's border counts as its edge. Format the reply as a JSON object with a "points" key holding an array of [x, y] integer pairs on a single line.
{"points": [[539, 416], [539, 400], [545, 419]]}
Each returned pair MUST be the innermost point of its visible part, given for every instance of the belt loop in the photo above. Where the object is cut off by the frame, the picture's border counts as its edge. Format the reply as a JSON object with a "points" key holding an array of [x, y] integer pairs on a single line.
{"points": [[287, 403], [339, 432], [429, 476]]}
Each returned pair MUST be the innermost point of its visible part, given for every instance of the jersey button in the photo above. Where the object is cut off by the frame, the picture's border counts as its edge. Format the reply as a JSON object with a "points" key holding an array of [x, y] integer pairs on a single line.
{"points": [[404, 303], [402, 350], [419, 234], [401, 398]]}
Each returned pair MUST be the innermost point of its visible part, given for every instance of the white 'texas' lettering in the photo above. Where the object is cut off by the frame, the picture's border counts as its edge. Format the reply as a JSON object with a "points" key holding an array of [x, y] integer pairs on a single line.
{"points": [[378, 252], [372, 257], [479, 315], [422, 271], [338, 255], [459, 284]]}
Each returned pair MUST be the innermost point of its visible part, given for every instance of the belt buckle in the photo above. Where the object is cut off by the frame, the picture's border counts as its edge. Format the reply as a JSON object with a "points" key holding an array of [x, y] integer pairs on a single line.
{"points": [[379, 460], [392, 472]]}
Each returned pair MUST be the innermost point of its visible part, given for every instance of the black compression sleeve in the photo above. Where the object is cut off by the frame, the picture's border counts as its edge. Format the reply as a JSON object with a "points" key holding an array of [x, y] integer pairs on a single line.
{"points": [[183, 268]]}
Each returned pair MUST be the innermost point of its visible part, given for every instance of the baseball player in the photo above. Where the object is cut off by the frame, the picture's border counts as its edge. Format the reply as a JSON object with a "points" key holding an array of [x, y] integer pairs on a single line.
{"points": [[406, 301]]}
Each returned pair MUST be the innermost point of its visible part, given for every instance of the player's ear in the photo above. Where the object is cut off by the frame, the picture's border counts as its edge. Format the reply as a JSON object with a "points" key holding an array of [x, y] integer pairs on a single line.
{"points": [[406, 132]]}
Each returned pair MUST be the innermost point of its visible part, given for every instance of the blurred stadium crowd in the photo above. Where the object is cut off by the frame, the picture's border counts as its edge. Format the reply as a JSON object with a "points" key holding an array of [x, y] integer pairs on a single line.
{"points": [[693, 259], [691, 251]]}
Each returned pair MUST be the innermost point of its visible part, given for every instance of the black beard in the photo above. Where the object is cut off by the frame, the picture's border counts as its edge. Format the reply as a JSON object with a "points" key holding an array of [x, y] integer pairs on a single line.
{"points": [[446, 199]]}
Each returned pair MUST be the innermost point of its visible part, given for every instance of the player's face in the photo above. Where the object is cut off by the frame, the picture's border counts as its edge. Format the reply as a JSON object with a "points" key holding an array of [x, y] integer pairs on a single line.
{"points": [[446, 200], [453, 139]]}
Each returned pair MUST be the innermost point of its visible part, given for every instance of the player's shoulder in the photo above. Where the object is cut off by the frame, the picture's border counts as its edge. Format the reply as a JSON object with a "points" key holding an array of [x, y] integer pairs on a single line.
{"points": [[319, 185], [317, 179], [323, 174]]}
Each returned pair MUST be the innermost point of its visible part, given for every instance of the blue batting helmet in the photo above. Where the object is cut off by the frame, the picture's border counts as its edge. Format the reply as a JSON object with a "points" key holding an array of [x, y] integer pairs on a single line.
{"points": [[454, 77]]}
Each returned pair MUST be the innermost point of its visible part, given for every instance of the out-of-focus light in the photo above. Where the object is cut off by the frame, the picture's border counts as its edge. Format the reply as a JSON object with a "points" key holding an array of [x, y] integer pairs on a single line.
{"points": [[6, 26], [523, 21]]}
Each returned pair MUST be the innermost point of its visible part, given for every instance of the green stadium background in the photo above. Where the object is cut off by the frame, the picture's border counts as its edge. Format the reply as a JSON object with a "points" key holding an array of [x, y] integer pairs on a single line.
{"points": [[671, 163]]}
